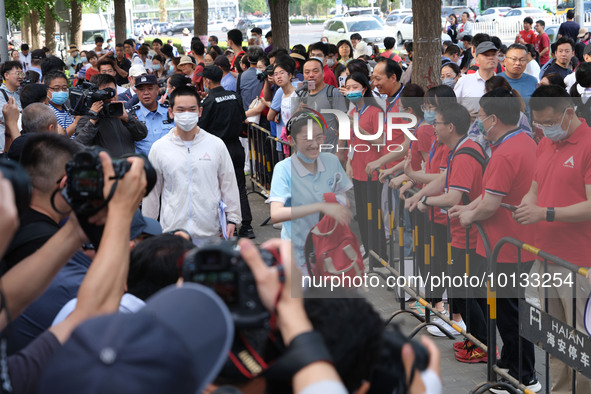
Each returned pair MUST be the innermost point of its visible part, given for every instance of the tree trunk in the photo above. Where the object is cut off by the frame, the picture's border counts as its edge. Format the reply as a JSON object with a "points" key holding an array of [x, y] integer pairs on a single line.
{"points": [[76, 23], [279, 10], [426, 62], [200, 10], [26, 29], [49, 29], [35, 30], [120, 21]]}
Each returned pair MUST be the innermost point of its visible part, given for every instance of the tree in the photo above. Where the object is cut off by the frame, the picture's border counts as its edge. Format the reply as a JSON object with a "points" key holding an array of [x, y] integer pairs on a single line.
{"points": [[76, 23], [200, 11], [279, 10], [50, 27], [35, 30], [251, 6], [120, 21], [426, 43]]}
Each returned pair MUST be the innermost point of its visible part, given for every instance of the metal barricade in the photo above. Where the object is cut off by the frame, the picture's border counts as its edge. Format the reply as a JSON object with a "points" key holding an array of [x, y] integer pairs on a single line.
{"points": [[263, 155], [537, 325]]}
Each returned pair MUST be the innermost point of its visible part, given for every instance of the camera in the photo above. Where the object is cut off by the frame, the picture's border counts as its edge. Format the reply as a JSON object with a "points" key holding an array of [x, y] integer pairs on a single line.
{"points": [[83, 96], [21, 183], [220, 267], [85, 175], [268, 71]]}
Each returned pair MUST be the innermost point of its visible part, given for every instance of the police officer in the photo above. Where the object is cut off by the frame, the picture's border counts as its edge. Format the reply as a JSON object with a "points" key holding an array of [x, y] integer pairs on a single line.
{"points": [[223, 116], [150, 112]]}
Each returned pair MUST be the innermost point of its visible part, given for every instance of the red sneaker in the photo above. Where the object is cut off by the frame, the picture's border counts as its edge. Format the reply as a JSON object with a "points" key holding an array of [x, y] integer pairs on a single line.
{"points": [[462, 345], [471, 355]]}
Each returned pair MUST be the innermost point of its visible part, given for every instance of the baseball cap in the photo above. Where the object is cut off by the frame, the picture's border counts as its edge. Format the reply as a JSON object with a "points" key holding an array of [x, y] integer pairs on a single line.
{"points": [[222, 61], [146, 80], [485, 47], [212, 72], [73, 48], [38, 54], [176, 344], [143, 225], [185, 60], [137, 70]]}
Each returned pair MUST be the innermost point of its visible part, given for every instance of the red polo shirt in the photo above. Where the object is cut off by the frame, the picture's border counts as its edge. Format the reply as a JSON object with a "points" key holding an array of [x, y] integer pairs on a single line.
{"points": [[465, 175], [425, 136], [368, 121], [528, 36], [562, 171], [398, 135], [509, 173], [542, 42], [436, 164]]}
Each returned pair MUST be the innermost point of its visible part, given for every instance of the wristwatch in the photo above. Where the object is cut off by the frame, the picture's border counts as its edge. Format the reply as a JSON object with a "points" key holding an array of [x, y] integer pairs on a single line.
{"points": [[424, 201], [92, 114], [550, 214]]}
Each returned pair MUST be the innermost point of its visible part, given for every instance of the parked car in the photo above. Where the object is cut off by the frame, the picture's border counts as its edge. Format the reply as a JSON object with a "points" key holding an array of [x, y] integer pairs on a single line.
{"points": [[341, 29], [404, 31], [179, 27], [401, 11], [458, 11], [220, 24], [518, 14], [492, 14], [162, 28], [394, 19]]}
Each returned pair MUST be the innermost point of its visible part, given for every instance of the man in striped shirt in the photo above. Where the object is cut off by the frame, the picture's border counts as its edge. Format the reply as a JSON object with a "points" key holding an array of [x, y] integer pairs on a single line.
{"points": [[57, 94]]}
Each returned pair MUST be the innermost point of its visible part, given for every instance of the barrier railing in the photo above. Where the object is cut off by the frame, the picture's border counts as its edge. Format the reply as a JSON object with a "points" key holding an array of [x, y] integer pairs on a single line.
{"points": [[263, 155]]}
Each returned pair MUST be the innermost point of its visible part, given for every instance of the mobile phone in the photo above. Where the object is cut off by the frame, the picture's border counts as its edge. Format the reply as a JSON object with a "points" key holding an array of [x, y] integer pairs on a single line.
{"points": [[342, 80], [307, 85], [510, 207]]}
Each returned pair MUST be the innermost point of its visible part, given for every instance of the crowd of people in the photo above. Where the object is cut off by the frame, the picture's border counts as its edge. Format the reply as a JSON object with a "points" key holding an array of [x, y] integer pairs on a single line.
{"points": [[502, 141]]}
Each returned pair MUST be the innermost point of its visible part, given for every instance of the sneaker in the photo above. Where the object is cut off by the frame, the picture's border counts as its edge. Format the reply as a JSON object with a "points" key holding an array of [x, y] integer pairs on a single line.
{"points": [[471, 355], [435, 331], [533, 385], [462, 345], [246, 232]]}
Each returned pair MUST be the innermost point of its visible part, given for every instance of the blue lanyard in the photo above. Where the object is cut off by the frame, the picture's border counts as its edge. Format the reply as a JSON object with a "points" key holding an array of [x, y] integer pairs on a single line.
{"points": [[450, 157], [432, 151], [415, 133], [393, 103], [507, 136], [365, 106]]}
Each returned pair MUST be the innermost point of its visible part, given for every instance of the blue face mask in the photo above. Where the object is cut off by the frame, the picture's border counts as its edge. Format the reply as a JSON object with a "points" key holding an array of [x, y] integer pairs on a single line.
{"points": [[355, 96], [429, 116], [59, 97], [156, 67], [449, 82], [304, 158], [171, 69], [83, 59], [481, 128], [556, 132]]}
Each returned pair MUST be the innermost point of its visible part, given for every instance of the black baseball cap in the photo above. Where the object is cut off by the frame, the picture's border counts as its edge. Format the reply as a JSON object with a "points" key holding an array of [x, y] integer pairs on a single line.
{"points": [[212, 72], [38, 54], [146, 80]]}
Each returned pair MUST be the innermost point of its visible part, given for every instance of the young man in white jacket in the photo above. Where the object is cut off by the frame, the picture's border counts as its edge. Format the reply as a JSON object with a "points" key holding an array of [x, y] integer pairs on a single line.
{"points": [[195, 176]]}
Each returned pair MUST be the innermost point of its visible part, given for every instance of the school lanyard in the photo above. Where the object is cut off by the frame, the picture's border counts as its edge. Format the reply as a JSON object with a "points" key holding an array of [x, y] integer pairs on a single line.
{"points": [[451, 156], [432, 151], [415, 133], [393, 103], [506, 137]]}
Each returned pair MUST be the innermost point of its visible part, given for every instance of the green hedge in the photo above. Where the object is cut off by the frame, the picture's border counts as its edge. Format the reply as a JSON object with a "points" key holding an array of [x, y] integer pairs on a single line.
{"points": [[301, 21]]}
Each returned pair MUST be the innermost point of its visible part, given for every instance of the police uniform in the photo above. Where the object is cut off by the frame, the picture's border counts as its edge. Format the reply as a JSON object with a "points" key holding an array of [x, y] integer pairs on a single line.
{"points": [[156, 122]]}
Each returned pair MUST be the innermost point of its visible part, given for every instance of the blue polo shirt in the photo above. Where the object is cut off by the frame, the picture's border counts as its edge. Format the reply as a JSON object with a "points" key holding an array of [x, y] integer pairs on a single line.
{"points": [[293, 185], [154, 123], [525, 85]]}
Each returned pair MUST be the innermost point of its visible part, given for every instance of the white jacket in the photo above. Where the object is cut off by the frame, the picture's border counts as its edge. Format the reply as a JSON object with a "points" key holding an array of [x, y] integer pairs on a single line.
{"points": [[191, 182]]}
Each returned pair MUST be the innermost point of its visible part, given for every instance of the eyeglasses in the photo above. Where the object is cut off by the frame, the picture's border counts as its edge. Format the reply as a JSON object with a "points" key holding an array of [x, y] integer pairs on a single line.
{"points": [[548, 125], [516, 60], [58, 88], [320, 138], [19, 73]]}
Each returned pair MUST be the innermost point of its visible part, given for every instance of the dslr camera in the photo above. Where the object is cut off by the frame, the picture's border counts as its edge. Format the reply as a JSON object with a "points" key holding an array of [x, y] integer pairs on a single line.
{"points": [[268, 71], [83, 96], [220, 267], [21, 183]]}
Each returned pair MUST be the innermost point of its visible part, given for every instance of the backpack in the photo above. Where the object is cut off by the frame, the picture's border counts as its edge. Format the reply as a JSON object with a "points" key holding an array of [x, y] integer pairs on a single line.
{"points": [[332, 248], [480, 157]]}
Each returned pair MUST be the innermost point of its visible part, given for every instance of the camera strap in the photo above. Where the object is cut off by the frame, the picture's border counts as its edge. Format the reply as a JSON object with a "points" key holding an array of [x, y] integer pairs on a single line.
{"points": [[4, 373], [245, 358]]}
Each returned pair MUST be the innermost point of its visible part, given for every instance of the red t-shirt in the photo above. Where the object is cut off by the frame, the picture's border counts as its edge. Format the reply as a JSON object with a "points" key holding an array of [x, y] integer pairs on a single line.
{"points": [[436, 164], [198, 80], [90, 72], [236, 56], [329, 77], [562, 171], [542, 42], [425, 136], [509, 173], [528, 36], [368, 121], [398, 136], [391, 55], [465, 175]]}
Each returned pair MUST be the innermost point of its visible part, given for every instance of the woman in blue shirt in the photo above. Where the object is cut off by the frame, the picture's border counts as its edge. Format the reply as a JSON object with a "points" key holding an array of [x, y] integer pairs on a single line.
{"points": [[300, 181]]}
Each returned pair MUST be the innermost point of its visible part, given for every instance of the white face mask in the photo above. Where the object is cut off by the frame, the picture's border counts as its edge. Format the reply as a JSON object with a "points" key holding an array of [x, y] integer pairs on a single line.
{"points": [[186, 121]]}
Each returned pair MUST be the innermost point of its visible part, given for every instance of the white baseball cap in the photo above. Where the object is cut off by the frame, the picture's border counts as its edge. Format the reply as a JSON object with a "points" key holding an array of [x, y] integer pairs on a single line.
{"points": [[136, 70]]}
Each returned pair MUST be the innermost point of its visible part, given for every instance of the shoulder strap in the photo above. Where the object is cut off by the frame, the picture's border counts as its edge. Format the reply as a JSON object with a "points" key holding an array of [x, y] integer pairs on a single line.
{"points": [[330, 91], [5, 95], [480, 157], [391, 55], [238, 83]]}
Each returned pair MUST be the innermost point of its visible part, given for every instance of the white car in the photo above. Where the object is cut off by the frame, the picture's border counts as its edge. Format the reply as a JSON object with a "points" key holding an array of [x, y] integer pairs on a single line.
{"points": [[401, 11], [220, 25], [370, 29], [404, 31], [493, 14], [518, 14]]}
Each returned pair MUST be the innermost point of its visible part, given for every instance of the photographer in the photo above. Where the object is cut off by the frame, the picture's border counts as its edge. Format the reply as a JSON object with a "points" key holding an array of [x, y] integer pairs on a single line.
{"points": [[118, 134]]}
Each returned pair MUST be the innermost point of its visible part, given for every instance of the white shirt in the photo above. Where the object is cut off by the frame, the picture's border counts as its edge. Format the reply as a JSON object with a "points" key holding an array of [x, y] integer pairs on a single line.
{"points": [[533, 69], [129, 304], [569, 81], [191, 181], [469, 89]]}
